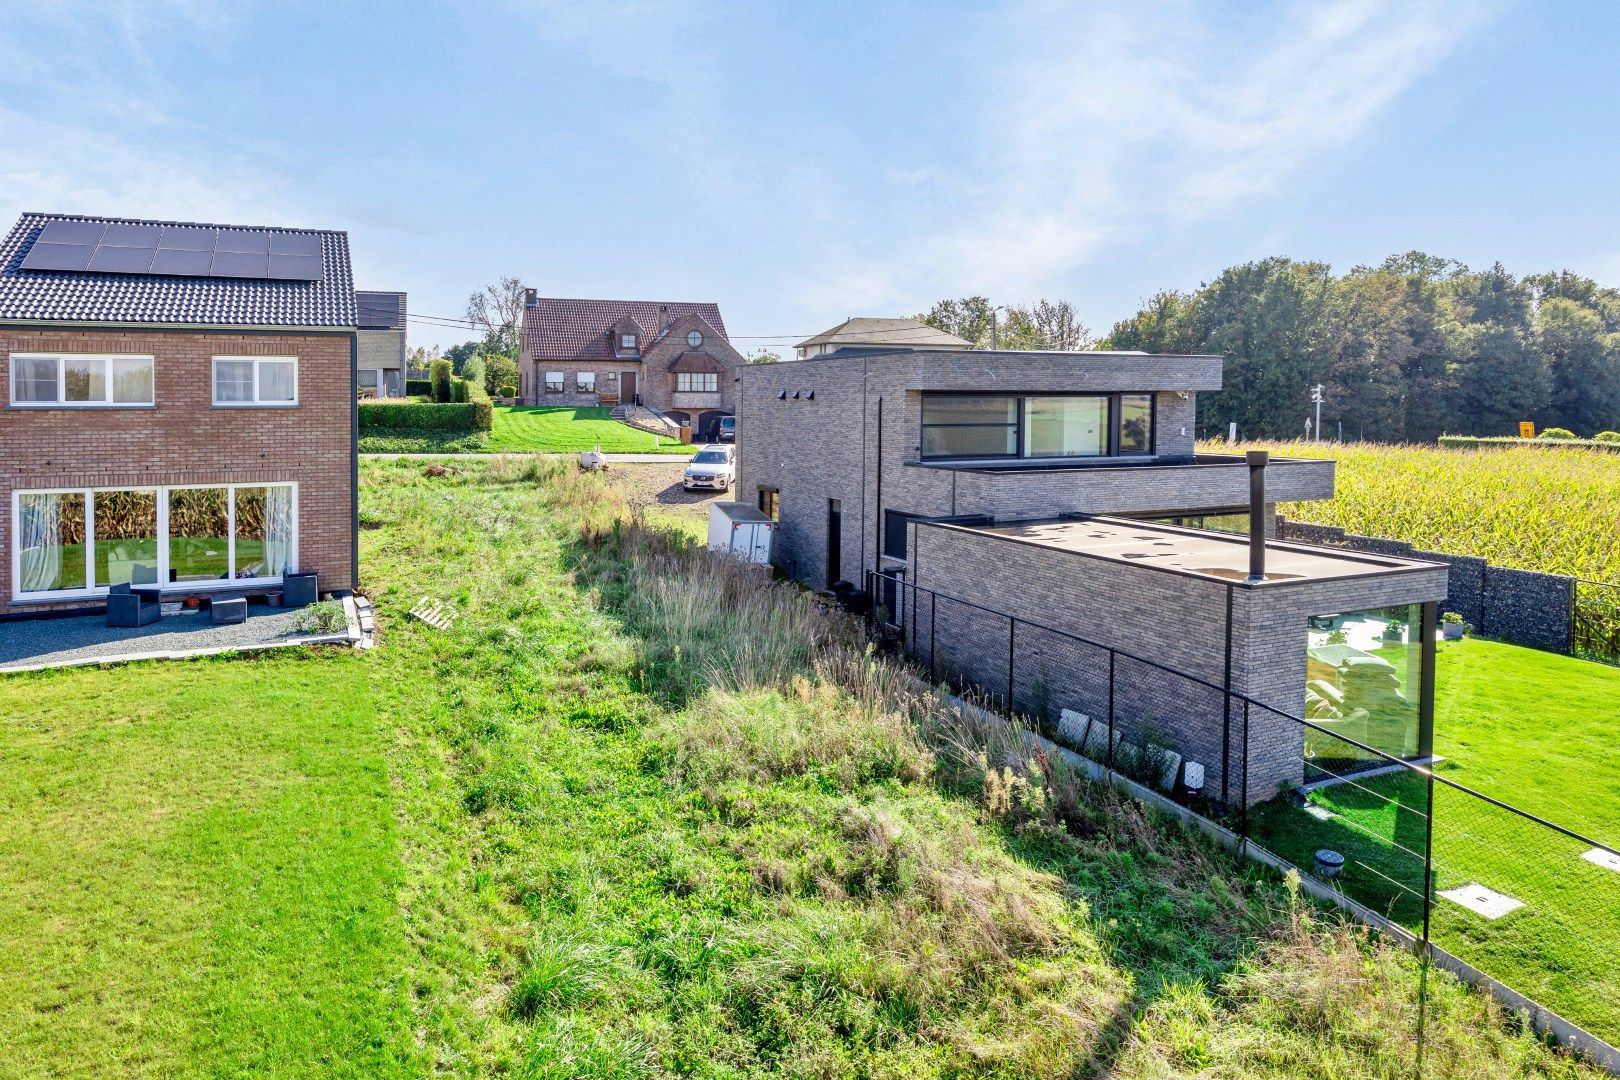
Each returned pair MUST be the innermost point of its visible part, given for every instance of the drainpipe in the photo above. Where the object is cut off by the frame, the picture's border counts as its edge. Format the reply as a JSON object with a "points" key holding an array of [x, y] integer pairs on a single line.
{"points": [[1257, 460]]}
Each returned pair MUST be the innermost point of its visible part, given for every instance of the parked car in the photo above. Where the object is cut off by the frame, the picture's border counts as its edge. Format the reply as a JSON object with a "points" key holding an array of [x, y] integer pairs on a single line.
{"points": [[714, 467], [728, 429]]}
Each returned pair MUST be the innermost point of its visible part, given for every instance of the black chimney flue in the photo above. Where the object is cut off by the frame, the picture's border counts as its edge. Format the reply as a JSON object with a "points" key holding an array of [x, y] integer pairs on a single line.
{"points": [[1257, 460]]}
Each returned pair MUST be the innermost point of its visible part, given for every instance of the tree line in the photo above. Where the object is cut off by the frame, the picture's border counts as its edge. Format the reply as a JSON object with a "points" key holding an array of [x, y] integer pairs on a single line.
{"points": [[1405, 351]]}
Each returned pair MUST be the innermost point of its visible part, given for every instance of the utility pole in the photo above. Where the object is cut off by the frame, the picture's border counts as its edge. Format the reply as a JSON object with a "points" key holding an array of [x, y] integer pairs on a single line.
{"points": [[1316, 396]]}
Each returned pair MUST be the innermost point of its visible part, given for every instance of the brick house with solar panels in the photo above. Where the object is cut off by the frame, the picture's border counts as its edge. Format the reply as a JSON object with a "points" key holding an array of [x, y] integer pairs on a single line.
{"points": [[670, 356], [180, 408]]}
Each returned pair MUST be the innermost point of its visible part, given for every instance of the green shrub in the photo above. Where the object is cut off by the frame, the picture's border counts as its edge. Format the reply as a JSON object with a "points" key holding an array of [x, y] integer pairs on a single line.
{"points": [[1557, 433], [418, 387], [473, 370], [441, 380], [1607, 437], [1487, 442], [393, 414], [483, 407], [500, 371], [458, 391], [422, 441], [510, 391], [324, 617]]}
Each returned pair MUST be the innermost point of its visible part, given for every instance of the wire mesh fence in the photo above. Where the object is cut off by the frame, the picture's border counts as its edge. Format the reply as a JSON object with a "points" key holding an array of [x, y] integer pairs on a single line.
{"points": [[1595, 629], [1529, 903]]}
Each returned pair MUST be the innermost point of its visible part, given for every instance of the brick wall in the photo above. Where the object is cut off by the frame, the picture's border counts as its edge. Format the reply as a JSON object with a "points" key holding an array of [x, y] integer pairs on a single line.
{"points": [[184, 439]]}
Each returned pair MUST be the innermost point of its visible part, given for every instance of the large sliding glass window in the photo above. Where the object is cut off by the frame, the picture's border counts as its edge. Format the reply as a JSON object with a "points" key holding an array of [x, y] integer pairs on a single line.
{"points": [[84, 541], [969, 425], [1036, 425], [1066, 426]]}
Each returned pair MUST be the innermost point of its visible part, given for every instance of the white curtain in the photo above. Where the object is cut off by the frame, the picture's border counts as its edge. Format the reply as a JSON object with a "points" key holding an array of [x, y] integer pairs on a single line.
{"points": [[278, 530], [39, 539]]}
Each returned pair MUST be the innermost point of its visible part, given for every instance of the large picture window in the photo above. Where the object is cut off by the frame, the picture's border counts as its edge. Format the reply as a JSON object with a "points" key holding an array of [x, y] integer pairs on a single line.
{"points": [[696, 382], [81, 380], [585, 381], [554, 382], [255, 380], [1036, 425], [80, 542]]}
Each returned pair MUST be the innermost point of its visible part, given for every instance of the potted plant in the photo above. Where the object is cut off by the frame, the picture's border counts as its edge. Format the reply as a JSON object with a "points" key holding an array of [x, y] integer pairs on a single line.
{"points": [[1452, 626]]}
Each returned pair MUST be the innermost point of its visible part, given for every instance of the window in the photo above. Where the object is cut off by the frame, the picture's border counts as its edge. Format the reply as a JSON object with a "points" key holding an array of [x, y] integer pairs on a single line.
{"points": [[255, 380], [369, 381], [554, 382], [694, 339], [627, 342], [770, 503], [81, 381], [1036, 426], [80, 542], [585, 381], [1065, 426], [1136, 423], [969, 425], [697, 382]]}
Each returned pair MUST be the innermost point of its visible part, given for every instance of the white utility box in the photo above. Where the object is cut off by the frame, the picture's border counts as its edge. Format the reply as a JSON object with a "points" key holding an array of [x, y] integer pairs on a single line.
{"points": [[741, 530]]}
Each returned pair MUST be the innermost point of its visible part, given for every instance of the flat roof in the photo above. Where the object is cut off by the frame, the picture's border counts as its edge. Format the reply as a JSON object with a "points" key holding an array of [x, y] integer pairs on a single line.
{"points": [[1197, 552]]}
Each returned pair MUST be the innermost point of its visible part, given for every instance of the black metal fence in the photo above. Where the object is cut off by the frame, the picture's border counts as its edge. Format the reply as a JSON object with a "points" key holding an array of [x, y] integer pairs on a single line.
{"points": [[1595, 620], [1529, 903]]}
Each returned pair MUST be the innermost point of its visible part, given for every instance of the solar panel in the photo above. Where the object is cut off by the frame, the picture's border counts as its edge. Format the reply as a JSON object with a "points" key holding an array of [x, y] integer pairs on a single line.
{"points": [[175, 250]]}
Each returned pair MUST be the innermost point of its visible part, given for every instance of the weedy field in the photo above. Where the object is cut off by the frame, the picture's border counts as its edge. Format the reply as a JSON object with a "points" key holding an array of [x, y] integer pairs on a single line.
{"points": [[636, 814]]}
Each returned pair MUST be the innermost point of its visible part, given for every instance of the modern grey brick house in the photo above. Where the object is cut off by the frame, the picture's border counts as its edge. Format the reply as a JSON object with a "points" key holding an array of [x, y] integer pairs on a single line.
{"points": [[381, 337], [1053, 488]]}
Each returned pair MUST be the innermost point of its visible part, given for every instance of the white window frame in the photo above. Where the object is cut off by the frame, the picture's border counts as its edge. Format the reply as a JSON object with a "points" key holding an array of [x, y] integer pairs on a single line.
{"points": [[691, 377], [627, 342], [213, 382], [91, 589], [559, 378], [61, 401]]}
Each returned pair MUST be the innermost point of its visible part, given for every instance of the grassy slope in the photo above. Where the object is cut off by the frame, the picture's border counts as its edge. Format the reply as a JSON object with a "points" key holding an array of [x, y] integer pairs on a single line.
{"points": [[526, 429], [647, 820], [1537, 730], [200, 874]]}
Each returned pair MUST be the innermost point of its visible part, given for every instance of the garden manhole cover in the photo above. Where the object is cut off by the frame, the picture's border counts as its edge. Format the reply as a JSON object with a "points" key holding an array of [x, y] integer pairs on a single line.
{"points": [[1482, 901], [1606, 859]]}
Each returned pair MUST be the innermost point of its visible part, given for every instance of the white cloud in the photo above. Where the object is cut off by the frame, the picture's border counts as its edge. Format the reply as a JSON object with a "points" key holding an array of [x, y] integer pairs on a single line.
{"points": [[1137, 117]]}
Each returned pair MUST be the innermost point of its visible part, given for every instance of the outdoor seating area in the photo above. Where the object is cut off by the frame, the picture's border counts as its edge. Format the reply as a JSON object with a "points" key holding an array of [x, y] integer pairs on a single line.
{"points": [[225, 625]]}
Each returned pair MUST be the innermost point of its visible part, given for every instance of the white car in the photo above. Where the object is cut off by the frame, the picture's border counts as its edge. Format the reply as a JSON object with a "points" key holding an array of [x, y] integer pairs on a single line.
{"points": [[714, 468]]}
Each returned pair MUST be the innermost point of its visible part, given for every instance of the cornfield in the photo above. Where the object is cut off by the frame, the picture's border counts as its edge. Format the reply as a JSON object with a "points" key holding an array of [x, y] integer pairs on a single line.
{"points": [[1532, 508]]}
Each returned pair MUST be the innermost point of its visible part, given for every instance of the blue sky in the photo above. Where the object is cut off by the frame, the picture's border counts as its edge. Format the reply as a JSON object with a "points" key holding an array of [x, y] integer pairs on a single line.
{"points": [[799, 163]]}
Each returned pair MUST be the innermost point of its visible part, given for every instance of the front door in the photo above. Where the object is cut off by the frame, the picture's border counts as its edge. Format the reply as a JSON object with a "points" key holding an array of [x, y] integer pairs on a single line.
{"points": [[627, 388]]}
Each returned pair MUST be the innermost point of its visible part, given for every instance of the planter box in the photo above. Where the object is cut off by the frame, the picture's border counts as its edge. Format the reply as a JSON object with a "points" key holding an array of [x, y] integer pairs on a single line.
{"points": [[299, 590]]}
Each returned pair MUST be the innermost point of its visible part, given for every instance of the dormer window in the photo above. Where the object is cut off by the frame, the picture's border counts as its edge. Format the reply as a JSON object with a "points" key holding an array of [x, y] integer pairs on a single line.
{"points": [[694, 339], [627, 342]]}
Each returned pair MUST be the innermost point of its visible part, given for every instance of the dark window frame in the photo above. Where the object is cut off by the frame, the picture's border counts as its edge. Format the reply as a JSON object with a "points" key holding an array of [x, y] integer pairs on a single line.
{"points": [[1020, 425], [770, 502]]}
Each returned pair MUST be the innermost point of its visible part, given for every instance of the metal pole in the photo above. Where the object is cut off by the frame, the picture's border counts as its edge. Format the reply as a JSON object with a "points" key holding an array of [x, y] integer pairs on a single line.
{"points": [[1428, 880], [1226, 710], [1112, 656], [933, 612], [1245, 791], [1012, 633]]}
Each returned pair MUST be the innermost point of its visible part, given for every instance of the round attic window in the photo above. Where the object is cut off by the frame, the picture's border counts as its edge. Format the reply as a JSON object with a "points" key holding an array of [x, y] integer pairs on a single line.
{"points": [[694, 339]]}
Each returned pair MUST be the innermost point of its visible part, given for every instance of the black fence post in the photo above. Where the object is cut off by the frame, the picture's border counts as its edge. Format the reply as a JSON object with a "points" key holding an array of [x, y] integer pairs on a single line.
{"points": [[1428, 883], [1112, 656], [1012, 633], [1226, 711], [1245, 788], [933, 612]]}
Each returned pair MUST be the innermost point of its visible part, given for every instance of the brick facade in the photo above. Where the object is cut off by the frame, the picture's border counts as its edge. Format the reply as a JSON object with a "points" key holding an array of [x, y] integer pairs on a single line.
{"points": [[185, 439]]}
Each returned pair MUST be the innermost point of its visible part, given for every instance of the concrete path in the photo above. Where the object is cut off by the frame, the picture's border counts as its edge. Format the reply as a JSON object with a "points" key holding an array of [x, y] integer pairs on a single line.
{"points": [[610, 457]]}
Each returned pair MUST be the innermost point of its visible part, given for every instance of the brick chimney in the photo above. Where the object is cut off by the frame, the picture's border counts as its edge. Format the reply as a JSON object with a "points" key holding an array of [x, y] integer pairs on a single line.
{"points": [[530, 299]]}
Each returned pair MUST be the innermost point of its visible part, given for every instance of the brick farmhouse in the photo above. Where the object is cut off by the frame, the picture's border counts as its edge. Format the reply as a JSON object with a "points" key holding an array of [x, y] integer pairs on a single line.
{"points": [[180, 408], [673, 357]]}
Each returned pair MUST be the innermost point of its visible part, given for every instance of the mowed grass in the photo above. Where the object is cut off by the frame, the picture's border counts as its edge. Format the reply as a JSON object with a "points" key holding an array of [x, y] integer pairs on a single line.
{"points": [[200, 874], [549, 430], [1538, 731]]}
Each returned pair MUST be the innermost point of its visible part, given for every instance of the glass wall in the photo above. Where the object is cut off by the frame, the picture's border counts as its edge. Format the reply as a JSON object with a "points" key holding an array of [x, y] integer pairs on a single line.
{"points": [[87, 540], [126, 530], [1136, 423], [1066, 426], [969, 425], [1363, 681]]}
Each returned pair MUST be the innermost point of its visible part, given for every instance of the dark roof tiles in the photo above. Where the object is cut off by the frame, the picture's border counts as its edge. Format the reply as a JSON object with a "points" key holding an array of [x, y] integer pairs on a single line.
{"points": [[559, 329], [82, 297]]}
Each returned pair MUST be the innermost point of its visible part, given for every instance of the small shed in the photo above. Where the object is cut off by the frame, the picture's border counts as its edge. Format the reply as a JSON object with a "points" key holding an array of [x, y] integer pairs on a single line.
{"points": [[741, 530]]}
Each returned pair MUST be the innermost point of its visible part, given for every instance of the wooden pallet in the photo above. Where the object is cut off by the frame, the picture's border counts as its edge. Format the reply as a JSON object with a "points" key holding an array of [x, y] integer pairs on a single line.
{"points": [[433, 613]]}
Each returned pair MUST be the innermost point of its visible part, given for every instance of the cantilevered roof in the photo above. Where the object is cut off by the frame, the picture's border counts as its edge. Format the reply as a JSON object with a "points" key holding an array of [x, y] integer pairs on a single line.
{"points": [[865, 332], [244, 289], [1219, 556]]}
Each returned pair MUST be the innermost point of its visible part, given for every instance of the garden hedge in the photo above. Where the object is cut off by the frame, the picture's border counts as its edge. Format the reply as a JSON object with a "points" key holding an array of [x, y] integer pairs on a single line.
{"points": [[418, 387], [392, 415], [1486, 442], [482, 404]]}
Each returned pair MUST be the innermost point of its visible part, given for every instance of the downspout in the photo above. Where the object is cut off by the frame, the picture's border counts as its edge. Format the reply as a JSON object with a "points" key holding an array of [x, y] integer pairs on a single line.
{"points": [[354, 459], [877, 499]]}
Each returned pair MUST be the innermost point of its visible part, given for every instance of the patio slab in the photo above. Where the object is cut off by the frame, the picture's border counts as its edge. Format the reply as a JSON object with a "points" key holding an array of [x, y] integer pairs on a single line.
{"points": [[32, 644]]}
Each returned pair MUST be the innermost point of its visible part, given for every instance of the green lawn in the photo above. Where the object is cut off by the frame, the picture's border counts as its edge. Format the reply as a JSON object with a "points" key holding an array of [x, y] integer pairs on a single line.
{"points": [[526, 429], [633, 815], [200, 874], [1536, 730]]}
